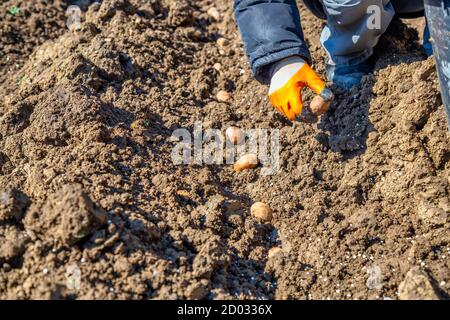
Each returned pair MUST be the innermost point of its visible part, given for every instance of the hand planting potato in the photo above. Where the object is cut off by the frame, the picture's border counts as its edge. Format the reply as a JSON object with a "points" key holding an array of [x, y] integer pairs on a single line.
{"points": [[261, 211], [248, 161], [112, 177]]}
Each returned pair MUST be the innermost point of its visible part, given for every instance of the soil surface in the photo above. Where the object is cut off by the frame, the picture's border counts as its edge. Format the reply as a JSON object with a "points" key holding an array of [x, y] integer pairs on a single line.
{"points": [[92, 206]]}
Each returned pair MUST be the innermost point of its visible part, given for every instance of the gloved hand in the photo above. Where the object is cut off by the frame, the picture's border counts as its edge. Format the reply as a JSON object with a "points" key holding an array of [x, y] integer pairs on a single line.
{"points": [[289, 76]]}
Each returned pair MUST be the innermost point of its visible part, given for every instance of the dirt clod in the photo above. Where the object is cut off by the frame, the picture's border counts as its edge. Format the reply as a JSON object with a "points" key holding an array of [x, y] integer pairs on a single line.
{"points": [[12, 244], [274, 252], [13, 204], [196, 291], [67, 216], [416, 286]]}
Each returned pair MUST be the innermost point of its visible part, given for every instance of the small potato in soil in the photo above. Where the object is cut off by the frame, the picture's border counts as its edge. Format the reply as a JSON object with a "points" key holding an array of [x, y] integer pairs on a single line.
{"points": [[261, 211], [235, 135], [319, 105], [248, 161], [223, 96]]}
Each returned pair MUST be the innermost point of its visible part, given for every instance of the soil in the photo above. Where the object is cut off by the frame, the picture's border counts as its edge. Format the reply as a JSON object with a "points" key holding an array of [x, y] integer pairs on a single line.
{"points": [[88, 188]]}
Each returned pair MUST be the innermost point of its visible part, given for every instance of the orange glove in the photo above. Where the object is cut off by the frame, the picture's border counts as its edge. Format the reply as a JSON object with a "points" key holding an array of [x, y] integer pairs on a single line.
{"points": [[289, 78]]}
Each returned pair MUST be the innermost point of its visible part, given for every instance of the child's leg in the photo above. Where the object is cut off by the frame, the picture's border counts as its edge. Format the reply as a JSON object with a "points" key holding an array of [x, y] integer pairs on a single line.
{"points": [[353, 28]]}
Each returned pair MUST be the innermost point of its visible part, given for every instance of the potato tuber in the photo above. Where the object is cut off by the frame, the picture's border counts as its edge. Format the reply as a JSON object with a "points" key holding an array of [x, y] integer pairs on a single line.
{"points": [[248, 161], [319, 105], [261, 211], [223, 96]]}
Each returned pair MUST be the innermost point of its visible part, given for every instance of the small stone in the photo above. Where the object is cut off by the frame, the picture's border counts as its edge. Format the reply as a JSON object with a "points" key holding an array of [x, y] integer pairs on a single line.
{"points": [[223, 96], [183, 193], [217, 66], [7, 267], [222, 42], [214, 13], [261, 211]]}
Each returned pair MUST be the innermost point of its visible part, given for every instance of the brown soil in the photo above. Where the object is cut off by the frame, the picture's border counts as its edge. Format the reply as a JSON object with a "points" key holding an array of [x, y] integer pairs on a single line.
{"points": [[360, 207]]}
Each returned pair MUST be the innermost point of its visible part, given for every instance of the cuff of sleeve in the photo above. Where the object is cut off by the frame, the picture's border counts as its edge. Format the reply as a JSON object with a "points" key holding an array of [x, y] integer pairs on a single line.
{"points": [[262, 66]]}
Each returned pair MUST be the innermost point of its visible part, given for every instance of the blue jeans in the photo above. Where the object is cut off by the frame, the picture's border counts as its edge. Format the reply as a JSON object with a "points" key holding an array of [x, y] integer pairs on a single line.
{"points": [[355, 26]]}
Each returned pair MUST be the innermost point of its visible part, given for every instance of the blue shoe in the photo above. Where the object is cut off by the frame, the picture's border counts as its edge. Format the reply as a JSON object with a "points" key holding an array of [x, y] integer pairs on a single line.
{"points": [[426, 41], [347, 77]]}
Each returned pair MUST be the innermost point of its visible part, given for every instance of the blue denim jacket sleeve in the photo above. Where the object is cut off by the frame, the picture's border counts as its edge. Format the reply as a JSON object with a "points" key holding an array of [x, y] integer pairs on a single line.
{"points": [[271, 30]]}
